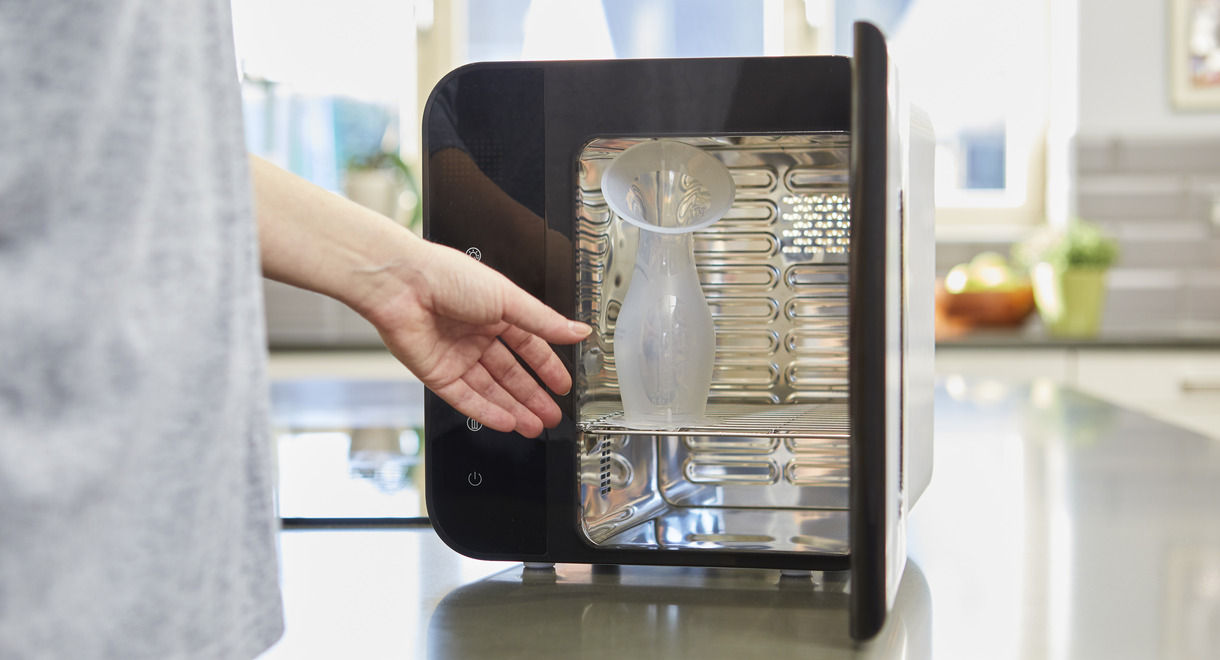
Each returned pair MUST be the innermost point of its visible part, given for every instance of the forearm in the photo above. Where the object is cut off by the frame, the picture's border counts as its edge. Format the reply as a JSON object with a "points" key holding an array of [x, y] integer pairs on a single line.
{"points": [[316, 240], [459, 326]]}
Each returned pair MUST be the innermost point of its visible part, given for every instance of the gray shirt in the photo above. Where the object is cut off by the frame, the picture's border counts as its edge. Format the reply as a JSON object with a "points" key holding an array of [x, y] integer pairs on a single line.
{"points": [[136, 512]]}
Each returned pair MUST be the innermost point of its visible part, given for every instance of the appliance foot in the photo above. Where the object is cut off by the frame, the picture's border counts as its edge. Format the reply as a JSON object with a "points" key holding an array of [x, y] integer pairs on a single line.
{"points": [[836, 580]]}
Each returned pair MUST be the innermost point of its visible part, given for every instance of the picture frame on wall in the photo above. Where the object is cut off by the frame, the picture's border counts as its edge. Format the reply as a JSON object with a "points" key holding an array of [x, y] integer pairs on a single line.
{"points": [[1194, 44]]}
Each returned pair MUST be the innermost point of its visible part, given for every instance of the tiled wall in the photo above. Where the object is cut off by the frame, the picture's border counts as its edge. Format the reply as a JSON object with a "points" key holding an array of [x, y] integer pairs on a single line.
{"points": [[1160, 197]]}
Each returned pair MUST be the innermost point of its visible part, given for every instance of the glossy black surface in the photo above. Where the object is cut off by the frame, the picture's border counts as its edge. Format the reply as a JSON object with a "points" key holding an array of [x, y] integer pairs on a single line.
{"points": [[868, 367], [487, 490], [488, 130]]}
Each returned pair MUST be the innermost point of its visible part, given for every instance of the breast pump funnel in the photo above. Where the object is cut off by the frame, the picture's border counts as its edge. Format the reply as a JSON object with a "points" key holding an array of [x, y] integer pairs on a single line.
{"points": [[664, 339]]}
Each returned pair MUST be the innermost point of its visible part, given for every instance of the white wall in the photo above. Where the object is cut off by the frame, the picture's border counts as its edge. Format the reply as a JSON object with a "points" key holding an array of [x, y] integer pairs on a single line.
{"points": [[1124, 72]]}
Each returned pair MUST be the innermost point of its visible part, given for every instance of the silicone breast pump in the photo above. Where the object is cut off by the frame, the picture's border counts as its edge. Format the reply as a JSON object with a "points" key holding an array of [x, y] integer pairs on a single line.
{"points": [[664, 339]]}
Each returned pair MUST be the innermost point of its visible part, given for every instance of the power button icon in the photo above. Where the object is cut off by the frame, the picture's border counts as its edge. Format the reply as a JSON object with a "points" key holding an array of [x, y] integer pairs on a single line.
{"points": [[474, 478]]}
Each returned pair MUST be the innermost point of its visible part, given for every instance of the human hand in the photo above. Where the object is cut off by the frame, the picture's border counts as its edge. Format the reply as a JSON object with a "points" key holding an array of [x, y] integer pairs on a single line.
{"points": [[448, 318], [453, 321]]}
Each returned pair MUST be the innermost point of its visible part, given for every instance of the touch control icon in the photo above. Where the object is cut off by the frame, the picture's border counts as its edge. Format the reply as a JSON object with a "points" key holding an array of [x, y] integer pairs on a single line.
{"points": [[474, 478]]}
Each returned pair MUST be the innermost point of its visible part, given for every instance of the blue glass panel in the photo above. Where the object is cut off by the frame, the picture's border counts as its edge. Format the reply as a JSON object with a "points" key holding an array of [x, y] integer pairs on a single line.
{"points": [[685, 28], [983, 152], [496, 29]]}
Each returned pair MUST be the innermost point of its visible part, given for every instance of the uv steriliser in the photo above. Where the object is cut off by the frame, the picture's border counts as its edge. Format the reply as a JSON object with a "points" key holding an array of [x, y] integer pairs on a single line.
{"points": [[818, 428]]}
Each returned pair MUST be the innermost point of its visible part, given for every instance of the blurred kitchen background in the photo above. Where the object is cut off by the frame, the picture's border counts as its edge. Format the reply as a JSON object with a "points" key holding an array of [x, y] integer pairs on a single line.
{"points": [[1050, 114]]}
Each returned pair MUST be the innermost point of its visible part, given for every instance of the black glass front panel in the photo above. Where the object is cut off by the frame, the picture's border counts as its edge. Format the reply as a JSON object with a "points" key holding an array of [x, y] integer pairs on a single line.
{"points": [[876, 378], [483, 174], [487, 489], [504, 145]]}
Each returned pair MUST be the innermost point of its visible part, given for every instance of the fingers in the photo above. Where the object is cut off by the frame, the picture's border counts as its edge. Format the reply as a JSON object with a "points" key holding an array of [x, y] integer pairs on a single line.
{"points": [[480, 380], [467, 401], [482, 384], [530, 314], [540, 357], [502, 395], [505, 369]]}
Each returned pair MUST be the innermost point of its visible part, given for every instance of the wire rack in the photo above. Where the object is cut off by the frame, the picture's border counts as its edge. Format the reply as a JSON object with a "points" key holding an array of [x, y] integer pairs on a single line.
{"points": [[761, 420]]}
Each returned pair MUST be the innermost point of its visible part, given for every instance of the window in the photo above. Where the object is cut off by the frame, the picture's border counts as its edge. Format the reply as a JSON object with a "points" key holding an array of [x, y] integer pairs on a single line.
{"points": [[323, 87], [587, 29], [981, 71]]}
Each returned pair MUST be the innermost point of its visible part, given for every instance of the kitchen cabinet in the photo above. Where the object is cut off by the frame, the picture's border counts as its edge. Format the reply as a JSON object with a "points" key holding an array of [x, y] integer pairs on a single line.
{"points": [[376, 364], [1180, 386], [1005, 364]]}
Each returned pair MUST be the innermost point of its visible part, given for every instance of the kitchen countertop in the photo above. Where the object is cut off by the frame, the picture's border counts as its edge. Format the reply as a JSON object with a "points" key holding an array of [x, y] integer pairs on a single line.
{"points": [[1033, 335], [1055, 526]]}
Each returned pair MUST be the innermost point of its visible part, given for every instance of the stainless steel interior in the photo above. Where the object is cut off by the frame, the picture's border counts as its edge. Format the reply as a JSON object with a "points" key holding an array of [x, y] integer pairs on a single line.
{"points": [[769, 470]]}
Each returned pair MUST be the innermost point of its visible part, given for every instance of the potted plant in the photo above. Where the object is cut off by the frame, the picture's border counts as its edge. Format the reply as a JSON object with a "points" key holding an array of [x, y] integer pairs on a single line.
{"points": [[1068, 268], [383, 182]]}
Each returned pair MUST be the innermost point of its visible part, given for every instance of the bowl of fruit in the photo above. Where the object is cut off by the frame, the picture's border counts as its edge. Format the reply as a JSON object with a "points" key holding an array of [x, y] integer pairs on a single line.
{"points": [[985, 292]]}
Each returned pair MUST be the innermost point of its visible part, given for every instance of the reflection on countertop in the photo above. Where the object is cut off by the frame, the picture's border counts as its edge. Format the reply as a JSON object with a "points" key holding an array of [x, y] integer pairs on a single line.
{"points": [[1056, 526], [668, 612], [348, 449]]}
